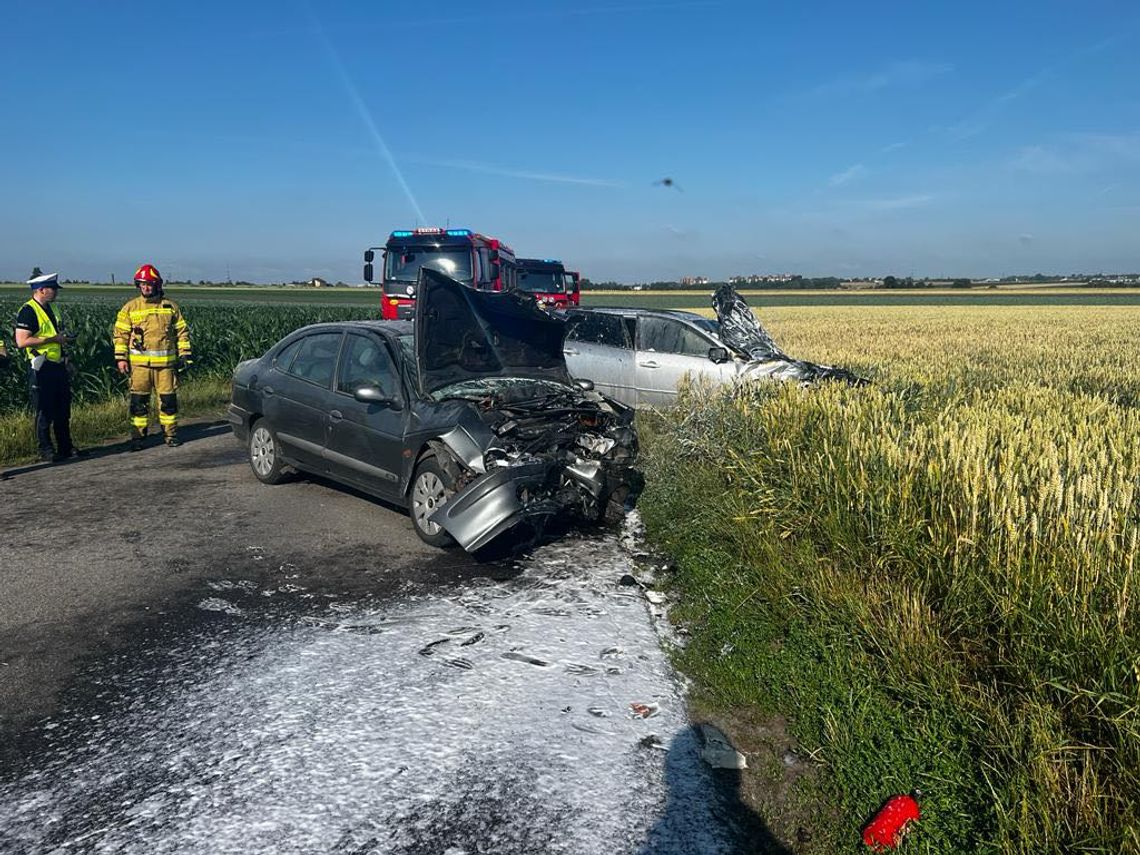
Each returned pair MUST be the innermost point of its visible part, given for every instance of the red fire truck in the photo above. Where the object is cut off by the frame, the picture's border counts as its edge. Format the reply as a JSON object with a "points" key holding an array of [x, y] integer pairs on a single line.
{"points": [[548, 281], [576, 283], [482, 262]]}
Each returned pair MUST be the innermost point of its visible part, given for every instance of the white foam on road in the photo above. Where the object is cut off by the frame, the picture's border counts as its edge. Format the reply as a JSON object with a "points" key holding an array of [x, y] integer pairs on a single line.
{"points": [[493, 718]]}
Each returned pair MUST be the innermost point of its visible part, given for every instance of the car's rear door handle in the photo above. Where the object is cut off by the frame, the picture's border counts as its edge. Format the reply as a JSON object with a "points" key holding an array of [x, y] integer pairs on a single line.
{"points": [[268, 390], [650, 364], [570, 351], [336, 415]]}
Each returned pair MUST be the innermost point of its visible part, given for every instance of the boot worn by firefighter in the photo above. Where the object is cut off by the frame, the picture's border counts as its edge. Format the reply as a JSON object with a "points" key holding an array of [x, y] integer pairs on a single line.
{"points": [[172, 440]]}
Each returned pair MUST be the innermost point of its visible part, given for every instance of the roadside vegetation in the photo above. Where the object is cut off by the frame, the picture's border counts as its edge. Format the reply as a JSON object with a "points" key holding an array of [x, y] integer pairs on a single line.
{"points": [[933, 578], [222, 335]]}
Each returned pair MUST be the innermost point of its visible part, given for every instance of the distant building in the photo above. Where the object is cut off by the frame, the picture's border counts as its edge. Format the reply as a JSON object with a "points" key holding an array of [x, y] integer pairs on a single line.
{"points": [[761, 278], [694, 280], [318, 282]]}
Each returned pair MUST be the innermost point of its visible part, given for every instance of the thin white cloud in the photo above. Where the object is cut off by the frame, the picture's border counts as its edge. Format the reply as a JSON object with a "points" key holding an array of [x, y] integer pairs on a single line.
{"points": [[895, 146], [526, 174], [908, 74], [894, 203], [848, 175], [1078, 154], [979, 121]]}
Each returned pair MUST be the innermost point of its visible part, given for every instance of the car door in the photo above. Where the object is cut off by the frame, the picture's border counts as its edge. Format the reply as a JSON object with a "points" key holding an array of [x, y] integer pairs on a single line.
{"points": [[297, 397], [598, 347], [365, 441], [667, 350]]}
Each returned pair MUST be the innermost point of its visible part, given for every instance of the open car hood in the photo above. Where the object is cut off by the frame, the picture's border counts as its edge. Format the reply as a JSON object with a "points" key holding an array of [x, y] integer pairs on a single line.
{"points": [[462, 334]]}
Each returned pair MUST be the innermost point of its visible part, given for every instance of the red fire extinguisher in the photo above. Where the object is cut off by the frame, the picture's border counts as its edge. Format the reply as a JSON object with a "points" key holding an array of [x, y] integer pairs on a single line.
{"points": [[887, 827]]}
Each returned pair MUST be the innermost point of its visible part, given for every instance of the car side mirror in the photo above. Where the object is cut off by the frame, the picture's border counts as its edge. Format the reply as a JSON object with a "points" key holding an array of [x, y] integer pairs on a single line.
{"points": [[585, 385], [368, 271], [369, 256], [718, 354], [375, 395]]}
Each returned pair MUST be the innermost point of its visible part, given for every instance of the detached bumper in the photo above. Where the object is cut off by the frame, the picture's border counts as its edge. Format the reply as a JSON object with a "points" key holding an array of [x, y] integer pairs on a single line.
{"points": [[494, 503], [532, 492]]}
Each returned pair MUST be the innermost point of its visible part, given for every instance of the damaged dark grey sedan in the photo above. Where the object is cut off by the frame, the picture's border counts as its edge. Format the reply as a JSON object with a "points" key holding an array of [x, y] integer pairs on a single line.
{"points": [[468, 418]]}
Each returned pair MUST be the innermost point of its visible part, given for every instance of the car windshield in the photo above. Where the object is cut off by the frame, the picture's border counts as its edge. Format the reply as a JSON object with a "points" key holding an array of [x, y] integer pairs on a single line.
{"points": [[503, 389], [542, 283], [403, 263]]}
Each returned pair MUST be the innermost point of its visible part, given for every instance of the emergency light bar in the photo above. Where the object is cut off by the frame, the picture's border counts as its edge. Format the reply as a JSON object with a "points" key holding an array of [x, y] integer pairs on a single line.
{"points": [[552, 260], [402, 234], [429, 231], [459, 232]]}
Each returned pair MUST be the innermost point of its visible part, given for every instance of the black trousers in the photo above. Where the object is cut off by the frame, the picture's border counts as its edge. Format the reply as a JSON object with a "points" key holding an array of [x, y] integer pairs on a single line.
{"points": [[50, 389]]}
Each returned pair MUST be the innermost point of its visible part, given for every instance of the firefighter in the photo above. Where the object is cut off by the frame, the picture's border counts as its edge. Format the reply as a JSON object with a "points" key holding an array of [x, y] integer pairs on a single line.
{"points": [[152, 344], [39, 333]]}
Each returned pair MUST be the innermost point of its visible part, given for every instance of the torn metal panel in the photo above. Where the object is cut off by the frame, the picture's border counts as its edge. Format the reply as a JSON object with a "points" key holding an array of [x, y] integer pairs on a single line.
{"points": [[495, 503], [742, 331]]}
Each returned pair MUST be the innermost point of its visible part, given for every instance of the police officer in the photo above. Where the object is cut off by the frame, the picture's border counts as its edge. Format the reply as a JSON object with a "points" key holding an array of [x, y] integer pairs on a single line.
{"points": [[152, 343], [40, 334]]}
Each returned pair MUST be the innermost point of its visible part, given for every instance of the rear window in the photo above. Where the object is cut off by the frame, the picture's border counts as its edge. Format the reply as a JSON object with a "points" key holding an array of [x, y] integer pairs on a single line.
{"points": [[286, 354], [597, 328], [316, 358]]}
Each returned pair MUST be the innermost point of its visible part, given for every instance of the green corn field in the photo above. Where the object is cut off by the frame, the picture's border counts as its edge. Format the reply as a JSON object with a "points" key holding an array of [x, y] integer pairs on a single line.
{"points": [[222, 335]]}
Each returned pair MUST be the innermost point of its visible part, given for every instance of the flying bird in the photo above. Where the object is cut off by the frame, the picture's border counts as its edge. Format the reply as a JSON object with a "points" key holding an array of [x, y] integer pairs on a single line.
{"points": [[669, 182]]}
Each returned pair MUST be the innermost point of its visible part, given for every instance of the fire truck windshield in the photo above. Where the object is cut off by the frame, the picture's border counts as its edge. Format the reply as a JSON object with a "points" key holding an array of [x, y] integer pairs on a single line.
{"points": [[403, 263], [541, 283]]}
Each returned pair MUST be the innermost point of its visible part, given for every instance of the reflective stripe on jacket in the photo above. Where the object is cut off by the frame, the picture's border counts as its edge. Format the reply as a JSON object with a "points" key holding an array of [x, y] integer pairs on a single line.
{"points": [[151, 332], [54, 351]]}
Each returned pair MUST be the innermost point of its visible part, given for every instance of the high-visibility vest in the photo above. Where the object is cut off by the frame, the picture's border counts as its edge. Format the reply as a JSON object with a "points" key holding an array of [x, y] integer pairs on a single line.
{"points": [[53, 351]]}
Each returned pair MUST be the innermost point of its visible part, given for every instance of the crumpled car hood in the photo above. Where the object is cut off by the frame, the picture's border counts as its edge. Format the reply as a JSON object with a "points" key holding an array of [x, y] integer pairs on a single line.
{"points": [[741, 330], [462, 334]]}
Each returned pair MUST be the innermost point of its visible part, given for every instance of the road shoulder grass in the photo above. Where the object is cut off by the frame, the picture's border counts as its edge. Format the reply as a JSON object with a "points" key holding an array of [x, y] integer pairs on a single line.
{"points": [[102, 421]]}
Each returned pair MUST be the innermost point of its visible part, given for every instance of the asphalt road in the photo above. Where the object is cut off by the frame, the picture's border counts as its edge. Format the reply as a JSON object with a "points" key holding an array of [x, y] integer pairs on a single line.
{"points": [[194, 662], [95, 549]]}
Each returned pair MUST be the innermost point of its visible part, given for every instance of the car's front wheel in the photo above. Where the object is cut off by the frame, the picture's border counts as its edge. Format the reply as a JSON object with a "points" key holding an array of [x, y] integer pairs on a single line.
{"points": [[431, 488], [264, 454]]}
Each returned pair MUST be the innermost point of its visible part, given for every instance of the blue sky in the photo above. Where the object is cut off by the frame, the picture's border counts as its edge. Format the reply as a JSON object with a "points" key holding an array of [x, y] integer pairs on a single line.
{"points": [[275, 141]]}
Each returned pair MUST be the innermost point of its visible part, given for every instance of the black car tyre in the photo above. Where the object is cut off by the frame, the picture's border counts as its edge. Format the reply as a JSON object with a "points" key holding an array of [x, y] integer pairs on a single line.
{"points": [[264, 454], [431, 487]]}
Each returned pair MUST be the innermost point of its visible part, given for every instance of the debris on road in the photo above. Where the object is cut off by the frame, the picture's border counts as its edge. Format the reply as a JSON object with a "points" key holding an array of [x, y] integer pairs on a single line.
{"points": [[522, 657], [640, 710], [653, 741], [718, 752]]}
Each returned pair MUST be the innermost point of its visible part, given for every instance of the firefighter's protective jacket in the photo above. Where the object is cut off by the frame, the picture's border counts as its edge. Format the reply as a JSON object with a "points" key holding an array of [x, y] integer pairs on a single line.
{"points": [[151, 332]]}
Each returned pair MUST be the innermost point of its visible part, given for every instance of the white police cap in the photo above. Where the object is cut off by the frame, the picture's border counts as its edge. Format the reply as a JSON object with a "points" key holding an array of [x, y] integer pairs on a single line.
{"points": [[48, 280]]}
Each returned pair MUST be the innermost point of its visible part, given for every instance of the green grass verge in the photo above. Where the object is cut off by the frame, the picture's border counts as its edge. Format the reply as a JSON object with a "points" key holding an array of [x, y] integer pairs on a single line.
{"points": [[829, 587], [758, 644], [96, 423]]}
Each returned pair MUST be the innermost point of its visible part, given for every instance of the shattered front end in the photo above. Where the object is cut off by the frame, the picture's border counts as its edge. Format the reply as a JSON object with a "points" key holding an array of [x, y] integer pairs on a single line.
{"points": [[564, 455]]}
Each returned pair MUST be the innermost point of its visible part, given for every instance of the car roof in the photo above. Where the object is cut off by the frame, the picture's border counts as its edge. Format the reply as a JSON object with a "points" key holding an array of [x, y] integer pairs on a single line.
{"points": [[383, 327], [633, 310]]}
